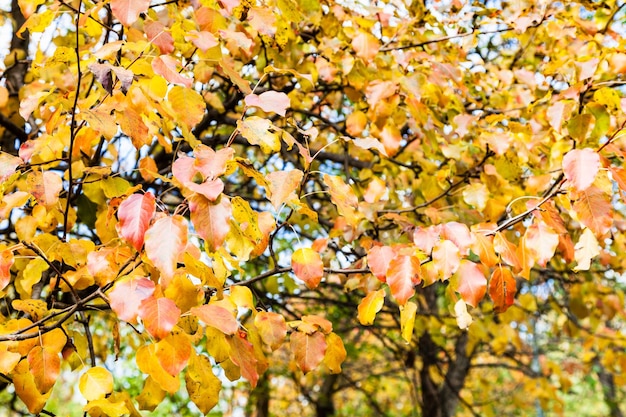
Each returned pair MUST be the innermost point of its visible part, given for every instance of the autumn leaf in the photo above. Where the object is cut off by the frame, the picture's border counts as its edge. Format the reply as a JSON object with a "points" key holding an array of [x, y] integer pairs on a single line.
{"points": [[167, 67], [6, 261], [502, 289], [45, 366], [446, 259], [96, 383], [159, 316], [309, 349], [378, 259], [242, 355], [135, 214], [283, 186], [580, 167], [8, 165], [366, 46], [403, 275], [217, 317], [211, 220], [127, 11], [542, 241], [593, 208], [271, 327], [586, 249], [463, 318], [260, 132], [164, 241], [127, 295], [335, 353], [269, 101], [307, 265], [202, 385], [369, 306], [407, 320], [173, 352], [470, 283]]}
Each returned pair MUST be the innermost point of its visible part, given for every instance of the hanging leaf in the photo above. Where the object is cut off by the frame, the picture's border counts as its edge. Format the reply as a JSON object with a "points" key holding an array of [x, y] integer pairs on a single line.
{"points": [[272, 328], [407, 320], [507, 251], [463, 318], [307, 265], [542, 241], [202, 385], [45, 366], [470, 283], [6, 261], [167, 67], [308, 349], [580, 167], [586, 249], [242, 355], [260, 132], [593, 208], [378, 259], [335, 353], [96, 383], [126, 297], [173, 352], [446, 259], [403, 275], [135, 214], [282, 187], [165, 240], [502, 289], [159, 316], [369, 306], [211, 220], [8, 165]]}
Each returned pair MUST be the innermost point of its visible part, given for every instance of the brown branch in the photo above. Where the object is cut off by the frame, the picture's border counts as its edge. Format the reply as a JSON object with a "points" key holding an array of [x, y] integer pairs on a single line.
{"points": [[13, 128]]}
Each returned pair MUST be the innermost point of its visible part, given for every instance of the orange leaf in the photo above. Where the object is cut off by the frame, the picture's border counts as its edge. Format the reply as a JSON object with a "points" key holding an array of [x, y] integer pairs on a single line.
{"points": [[211, 221], [217, 317], [159, 316], [335, 353], [593, 208], [173, 352], [459, 234], [166, 66], [148, 363], [127, 296], [542, 242], [134, 216], [378, 259], [308, 349], [283, 186], [402, 276], [45, 187], [308, 266], [446, 259], [580, 167], [369, 306], [471, 283], [272, 328], [502, 289], [45, 365], [507, 251], [6, 261], [8, 165], [157, 34], [242, 355], [483, 247], [366, 46], [165, 240], [127, 11]]}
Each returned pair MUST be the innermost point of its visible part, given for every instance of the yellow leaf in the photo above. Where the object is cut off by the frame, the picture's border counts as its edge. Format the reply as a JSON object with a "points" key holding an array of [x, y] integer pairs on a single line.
{"points": [[202, 385], [148, 363], [335, 353], [242, 297], [188, 99], [260, 132], [96, 383], [106, 407], [369, 306], [26, 390], [37, 309], [407, 320], [151, 395]]}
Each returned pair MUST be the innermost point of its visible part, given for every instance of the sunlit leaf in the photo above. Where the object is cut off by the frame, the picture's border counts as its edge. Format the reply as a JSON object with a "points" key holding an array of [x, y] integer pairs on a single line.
{"points": [[580, 167], [502, 289], [126, 297], [407, 320], [586, 249], [217, 317], [272, 328], [45, 366], [159, 316], [308, 349], [471, 283], [242, 354], [211, 220], [134, 216], [202, 385], [260, 132], [335, 353], [269, 101], [96, 383], [402, 277], [593, 208], [164, 241], [369, 306], [307, 265], [127, 11]]}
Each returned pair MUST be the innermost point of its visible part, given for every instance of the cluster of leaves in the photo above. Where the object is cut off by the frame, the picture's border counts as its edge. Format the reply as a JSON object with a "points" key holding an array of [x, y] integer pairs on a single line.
{"points": [[224, 177]]}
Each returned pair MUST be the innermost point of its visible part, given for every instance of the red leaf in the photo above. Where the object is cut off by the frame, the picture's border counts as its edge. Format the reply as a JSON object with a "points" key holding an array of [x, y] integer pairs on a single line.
{"points": [[308, 349], [403, 274], [580, 167], [242, 355], [269, 101], [378, 259], [126, 297], [502, 289], [211, 220], [127, 11], [217, 317], [308, 266], [166, 66], [45, 365], [593, 208], [472, 283], [134, 216], [165, 240], [159, 316]]}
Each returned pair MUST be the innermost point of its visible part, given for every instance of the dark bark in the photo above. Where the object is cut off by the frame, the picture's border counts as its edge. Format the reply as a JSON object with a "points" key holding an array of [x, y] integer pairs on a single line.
{"points": [[324, 406], [259, 404], [609, 391]]}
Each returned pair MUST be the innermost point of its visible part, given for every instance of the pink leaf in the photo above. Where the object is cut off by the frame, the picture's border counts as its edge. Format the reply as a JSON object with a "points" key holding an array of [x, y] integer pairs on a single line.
{"points": [[459, 234], [45, 187], [378, 259], [446, 259], [212, 164], [8, 165], [159, 36], [165, 240], [402, 276], [580, 167], [166, 66], [472, 283], [159, 316], [269, 101], [6, 261], [211, 220], [202, 40], [127, 11], [134, 216], [542, 242], [217, 317], [126, 297]]}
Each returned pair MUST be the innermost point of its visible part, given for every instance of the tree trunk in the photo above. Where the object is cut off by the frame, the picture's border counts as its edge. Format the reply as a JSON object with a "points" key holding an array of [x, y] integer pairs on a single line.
{"points": [[259, 402], [608, 389], [324, 406]]}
